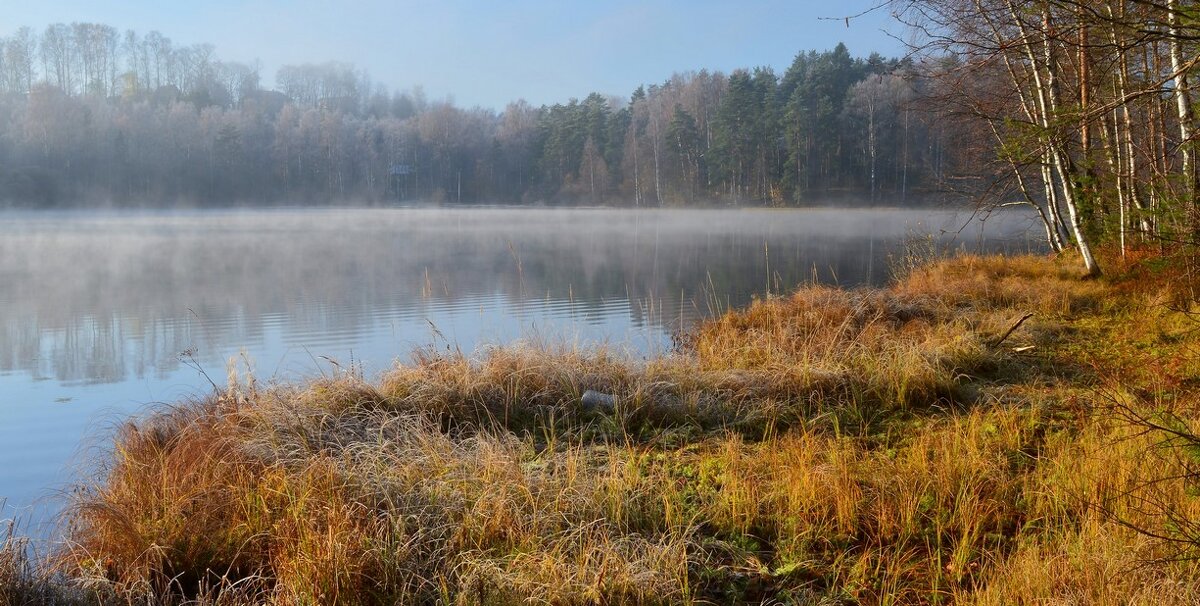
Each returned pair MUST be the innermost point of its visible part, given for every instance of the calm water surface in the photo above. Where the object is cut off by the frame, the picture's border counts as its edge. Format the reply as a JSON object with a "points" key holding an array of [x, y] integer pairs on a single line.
{"points": [[103, 315]]}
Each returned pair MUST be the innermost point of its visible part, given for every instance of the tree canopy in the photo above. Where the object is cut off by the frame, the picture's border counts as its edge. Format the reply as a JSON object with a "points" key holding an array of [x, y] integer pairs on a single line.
{"points": [[92, 115]]}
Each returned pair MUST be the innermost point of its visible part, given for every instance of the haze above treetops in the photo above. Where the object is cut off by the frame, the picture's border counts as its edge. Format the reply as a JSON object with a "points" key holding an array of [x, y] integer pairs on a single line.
{"points": [[489, 54], [99, 116]]}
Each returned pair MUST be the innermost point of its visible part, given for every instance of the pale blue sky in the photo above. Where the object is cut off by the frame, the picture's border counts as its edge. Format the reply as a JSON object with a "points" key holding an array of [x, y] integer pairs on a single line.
{"points": [[489, 53]]}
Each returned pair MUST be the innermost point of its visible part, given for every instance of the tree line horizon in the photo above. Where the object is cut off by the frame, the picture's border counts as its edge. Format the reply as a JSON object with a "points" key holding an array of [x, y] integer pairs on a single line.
{"points": [[1082, 112], [92, 116]]}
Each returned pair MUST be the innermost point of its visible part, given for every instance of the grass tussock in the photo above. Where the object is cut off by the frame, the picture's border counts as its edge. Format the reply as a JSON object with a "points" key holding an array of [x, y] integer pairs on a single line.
{"points": [[888, 446]]}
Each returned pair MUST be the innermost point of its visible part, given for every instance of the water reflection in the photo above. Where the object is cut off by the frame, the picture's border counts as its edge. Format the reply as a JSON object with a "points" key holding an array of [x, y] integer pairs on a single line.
{"points": [[95, 309], [106, 298]]}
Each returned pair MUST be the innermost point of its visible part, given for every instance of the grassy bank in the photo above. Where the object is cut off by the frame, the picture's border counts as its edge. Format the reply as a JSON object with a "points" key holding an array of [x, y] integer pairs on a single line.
{"points": [[888, 446]]}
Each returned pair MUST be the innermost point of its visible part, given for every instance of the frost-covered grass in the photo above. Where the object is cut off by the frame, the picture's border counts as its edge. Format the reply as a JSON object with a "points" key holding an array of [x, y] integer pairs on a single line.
{"points": [[864, 446]]}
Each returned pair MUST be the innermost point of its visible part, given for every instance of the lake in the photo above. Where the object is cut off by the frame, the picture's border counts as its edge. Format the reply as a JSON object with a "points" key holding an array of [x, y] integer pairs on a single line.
{"points": [[105, 314]]}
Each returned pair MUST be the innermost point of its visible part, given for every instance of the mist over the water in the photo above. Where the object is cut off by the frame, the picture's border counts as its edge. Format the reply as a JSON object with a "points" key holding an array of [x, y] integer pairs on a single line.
{"points": [[99, 297], [102, 314]]}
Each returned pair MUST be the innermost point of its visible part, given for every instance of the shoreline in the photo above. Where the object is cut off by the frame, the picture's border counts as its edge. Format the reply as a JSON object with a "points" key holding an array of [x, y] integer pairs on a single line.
{"points": [[913, 441]]}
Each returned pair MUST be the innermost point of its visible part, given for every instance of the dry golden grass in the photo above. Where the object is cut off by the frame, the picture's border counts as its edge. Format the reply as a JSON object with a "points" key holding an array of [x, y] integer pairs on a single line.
{"points": [[866, 446]]}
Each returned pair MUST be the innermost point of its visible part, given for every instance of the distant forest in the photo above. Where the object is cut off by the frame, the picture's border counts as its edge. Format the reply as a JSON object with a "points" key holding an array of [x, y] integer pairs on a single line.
{"points": [[90, 115]]}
